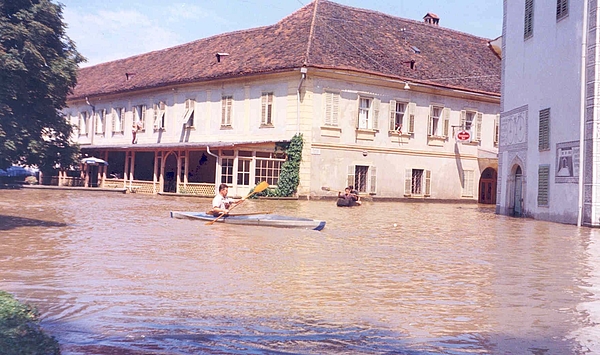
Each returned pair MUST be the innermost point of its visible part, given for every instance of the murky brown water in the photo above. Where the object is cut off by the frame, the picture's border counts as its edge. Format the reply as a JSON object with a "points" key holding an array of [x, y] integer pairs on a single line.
{"points": [[114, 274]]}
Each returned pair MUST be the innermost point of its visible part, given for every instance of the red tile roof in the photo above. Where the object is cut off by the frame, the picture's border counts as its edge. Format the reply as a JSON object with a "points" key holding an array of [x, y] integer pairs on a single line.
{"points": [[334, 36]]}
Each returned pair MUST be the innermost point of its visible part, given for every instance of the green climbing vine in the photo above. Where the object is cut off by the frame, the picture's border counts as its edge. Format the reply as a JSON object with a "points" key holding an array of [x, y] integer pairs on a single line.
{"points": [[289, 176]]}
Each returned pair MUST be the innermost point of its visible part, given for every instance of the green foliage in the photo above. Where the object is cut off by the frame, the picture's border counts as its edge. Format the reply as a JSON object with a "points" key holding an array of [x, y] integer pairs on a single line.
{"points": [[20, 332], [38, 69], [289, 178]]}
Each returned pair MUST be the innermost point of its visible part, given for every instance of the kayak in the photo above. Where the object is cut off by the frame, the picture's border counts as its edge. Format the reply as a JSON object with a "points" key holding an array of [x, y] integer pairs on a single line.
{"points": [[268, 220]]}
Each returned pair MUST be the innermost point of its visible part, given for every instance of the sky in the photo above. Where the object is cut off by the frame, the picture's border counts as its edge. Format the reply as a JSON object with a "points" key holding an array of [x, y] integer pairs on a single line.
{"points": [[114, 29]]}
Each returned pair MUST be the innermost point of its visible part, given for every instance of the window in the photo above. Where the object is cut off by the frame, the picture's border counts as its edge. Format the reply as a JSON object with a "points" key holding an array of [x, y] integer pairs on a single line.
{"points": [[468, 183], [83, 121], [226, 106], [543, 183], [267, 109], [471, 121], [227, 170], [100, 117], [117, 121], [417, 182], [528, 30], [188, 115], [267, 169], [562, 9], [544, 130], [332, 103], [368, 110], [439, 121], [159, 115], [397, 113], [363, 178], [139, 117], [243, 172]]}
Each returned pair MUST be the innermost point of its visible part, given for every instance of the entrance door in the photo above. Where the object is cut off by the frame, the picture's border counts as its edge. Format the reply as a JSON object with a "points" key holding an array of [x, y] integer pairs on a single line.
{"points": [[518, 208], [170, 182], [93, 171], [487, 186]]}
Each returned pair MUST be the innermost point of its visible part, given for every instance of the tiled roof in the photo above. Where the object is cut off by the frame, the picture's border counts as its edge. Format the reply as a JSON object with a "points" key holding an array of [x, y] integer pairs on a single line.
{"points": [[335, 36]]}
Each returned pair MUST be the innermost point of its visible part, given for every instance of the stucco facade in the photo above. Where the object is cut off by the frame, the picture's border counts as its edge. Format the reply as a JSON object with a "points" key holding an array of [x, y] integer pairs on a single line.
{"points": [[388, 126], [549, 112]]}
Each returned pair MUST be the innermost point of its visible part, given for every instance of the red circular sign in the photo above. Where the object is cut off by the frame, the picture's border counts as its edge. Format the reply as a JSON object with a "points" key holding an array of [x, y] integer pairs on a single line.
{"points": [[463, 136]]}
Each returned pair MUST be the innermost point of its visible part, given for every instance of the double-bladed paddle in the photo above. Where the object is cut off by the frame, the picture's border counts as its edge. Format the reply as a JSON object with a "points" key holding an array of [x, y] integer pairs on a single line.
{"points": [[258, 188]]}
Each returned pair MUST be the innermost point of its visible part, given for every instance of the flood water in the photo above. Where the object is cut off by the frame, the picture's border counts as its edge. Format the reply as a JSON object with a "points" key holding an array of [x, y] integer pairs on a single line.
{"points": [[114, 274]]}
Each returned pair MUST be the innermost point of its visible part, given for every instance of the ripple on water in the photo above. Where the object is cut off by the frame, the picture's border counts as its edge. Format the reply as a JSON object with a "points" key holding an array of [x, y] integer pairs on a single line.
{"points": [[114, 274]]}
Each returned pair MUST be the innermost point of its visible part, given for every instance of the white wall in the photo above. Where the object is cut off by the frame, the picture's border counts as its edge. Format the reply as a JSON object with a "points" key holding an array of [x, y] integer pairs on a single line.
{"points": [[541, 72]]}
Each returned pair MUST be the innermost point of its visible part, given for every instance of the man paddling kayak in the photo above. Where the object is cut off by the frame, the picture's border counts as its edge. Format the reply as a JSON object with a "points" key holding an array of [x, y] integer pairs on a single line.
{"points": [[221, 203]]}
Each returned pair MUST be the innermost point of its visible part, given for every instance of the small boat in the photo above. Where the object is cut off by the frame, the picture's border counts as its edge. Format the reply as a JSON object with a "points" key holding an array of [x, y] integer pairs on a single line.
{"points": [[250, 219], [342, 202]]}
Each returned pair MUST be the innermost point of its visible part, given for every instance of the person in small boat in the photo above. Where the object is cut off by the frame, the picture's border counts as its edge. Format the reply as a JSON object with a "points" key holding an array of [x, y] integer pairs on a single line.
{"points": [[221, 203], [355, 193], [347, 198]]}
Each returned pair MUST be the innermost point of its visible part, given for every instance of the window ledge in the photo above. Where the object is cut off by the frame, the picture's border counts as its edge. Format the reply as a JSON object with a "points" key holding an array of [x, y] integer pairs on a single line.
{"points": [[398, 137], [365, 134], [267, 126], [436, 140], [473, 143], [331, 131], [226, 126]]}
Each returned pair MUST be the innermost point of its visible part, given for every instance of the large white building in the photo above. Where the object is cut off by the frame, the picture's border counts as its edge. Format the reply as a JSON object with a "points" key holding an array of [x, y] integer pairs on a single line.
{"points": [[378, 100], [549, 138]]}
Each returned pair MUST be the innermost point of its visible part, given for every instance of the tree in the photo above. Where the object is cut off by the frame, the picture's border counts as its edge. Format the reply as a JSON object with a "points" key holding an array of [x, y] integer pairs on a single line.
{"points": [[38, 69]]}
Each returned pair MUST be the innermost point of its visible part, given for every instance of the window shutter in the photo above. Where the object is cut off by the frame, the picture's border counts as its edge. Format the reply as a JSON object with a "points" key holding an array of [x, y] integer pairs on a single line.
{"points": [[497, 129], [103, 113], [373, 184], [463, 119], [407, 182], [528, 27], [143, 116], [446, 115], [392, 115], [427, 182], [114, 119], [123, 111], [375, 124], [411, 117], [430, 121], [544, 129], [479, 119], [351, 170], [328, 108], [335, 108], [229, 110], [543, 184], [263, 119], [155, 115], [468, 183]]}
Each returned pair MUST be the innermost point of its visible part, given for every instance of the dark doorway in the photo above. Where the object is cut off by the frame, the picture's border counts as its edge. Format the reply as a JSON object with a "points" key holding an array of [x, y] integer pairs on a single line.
{"points": [[487, 186]]}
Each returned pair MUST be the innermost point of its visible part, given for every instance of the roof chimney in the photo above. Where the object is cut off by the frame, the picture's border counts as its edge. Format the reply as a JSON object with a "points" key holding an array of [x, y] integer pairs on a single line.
{"points": [[431, 19]]}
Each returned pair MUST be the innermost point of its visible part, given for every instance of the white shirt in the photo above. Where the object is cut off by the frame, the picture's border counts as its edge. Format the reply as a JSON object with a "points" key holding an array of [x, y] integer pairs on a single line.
{"points": [[219, 201]]}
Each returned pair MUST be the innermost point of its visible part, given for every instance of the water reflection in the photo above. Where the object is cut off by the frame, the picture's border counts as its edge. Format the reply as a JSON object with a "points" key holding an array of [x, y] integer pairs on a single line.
{"points": [[114, 274]]}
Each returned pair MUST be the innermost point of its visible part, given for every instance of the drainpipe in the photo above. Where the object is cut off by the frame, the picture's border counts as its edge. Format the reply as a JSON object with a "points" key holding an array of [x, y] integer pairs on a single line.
{"points": [[582, 111], [92, 120], [217, 160], [303, 71]]}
